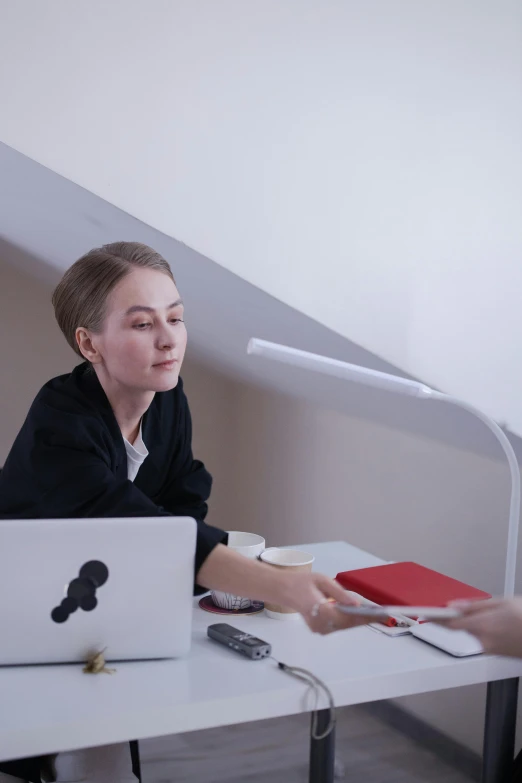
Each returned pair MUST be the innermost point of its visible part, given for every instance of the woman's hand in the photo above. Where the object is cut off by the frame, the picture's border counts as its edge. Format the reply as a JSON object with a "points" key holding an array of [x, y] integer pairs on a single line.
{"points": [[315, 596], [308, 593], [496, 624]]}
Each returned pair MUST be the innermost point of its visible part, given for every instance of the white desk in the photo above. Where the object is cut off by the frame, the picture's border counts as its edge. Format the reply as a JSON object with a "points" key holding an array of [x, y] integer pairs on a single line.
{"points": [[46, 709]]}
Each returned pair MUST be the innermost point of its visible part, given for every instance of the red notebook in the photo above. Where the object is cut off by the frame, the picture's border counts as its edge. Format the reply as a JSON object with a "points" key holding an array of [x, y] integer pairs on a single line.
{"points": [[407, 584]]}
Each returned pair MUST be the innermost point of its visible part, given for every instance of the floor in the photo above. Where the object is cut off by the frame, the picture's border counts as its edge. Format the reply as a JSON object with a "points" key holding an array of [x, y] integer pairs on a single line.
{"points": [[277, 751]]}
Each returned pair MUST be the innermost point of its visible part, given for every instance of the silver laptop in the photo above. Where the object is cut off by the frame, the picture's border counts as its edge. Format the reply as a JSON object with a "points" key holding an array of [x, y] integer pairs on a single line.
{"points": [[72, 587]]}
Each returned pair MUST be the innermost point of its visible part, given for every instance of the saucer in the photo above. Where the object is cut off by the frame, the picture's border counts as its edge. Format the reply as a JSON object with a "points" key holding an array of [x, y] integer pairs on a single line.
{"points": [[208, 605]]}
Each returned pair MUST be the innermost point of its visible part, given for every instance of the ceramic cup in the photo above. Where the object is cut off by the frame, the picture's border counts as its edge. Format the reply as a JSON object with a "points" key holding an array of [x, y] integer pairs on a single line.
{"points": [[247, 544], [291, 560]]}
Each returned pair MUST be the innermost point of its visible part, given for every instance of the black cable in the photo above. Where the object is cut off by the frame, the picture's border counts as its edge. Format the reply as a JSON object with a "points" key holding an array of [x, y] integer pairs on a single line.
{"points": [[316, 685]]}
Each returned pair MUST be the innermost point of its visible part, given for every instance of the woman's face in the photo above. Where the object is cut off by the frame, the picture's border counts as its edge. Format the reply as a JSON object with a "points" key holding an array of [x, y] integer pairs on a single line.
{"points": [[143, 340]]}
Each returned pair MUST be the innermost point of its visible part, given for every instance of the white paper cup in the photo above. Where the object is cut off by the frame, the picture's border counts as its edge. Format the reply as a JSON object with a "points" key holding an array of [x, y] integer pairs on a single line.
{"points": [[291, 560], [249, 545]]}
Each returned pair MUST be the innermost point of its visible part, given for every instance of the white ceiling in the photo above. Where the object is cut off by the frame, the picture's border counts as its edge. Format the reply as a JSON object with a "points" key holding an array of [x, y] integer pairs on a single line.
{"points": [[46, 222]]}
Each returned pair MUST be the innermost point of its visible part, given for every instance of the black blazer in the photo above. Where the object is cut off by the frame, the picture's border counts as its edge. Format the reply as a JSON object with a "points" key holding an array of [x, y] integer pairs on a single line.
{"points": [[69, 460]]}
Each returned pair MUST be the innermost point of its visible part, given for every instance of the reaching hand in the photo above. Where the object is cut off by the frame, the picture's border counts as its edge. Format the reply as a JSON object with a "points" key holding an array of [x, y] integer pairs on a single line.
{"points": [[314, 596], [496, 624]]}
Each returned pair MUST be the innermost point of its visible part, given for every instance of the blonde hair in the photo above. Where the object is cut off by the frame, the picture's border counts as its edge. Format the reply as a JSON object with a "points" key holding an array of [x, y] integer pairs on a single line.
{"points": [[80, 297]]}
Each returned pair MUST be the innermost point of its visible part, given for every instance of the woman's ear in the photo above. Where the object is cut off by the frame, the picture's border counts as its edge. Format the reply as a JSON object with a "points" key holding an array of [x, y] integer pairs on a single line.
{"points": [[86, 346]]}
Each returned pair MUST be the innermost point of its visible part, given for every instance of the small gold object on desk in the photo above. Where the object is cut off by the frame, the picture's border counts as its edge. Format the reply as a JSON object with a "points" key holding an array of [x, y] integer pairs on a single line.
{"points": [[96, 664]]}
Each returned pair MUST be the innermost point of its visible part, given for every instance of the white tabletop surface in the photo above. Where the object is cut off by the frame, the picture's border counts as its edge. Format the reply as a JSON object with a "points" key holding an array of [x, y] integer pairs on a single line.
{"points": [[46, 709]]}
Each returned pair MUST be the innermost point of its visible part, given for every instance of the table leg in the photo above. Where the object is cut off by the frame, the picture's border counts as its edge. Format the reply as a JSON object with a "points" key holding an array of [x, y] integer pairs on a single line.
{"points": [[499, 733], [322, 752], [135, 758]]}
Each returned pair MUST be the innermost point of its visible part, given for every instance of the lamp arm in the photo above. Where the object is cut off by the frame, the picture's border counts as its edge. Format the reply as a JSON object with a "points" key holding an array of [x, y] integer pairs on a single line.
{"points": [[514, 507]]}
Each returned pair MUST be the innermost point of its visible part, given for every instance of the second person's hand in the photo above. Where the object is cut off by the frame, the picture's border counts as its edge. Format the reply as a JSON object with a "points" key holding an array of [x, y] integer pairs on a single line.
{"points": [[497, 624]]}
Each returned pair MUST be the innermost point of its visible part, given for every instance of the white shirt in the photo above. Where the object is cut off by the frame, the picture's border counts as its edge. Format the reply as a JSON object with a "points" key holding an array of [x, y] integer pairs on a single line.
{"points": [[136, 455]]}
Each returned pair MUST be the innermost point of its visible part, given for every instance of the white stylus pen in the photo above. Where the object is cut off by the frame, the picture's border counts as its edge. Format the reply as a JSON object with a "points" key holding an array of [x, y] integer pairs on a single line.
{"points": [[426, 612]]}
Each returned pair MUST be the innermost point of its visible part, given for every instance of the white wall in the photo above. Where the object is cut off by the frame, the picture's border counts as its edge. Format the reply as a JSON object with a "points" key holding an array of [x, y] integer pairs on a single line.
{"points": [[212, 400], [299, 474], [384, 491], [32, 349], [360, 161]]}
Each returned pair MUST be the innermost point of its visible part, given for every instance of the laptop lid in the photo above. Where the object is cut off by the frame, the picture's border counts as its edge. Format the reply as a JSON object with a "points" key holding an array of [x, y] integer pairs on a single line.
{"points": [[72, 587]]}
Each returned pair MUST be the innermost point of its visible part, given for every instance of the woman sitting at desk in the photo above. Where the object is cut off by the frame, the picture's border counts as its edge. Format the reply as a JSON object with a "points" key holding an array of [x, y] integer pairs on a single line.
{"points": [[113, 439]]}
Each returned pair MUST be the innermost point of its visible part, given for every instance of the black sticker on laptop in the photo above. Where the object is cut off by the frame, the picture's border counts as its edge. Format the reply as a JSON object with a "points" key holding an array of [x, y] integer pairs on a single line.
{"points": [[81, 591]]}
